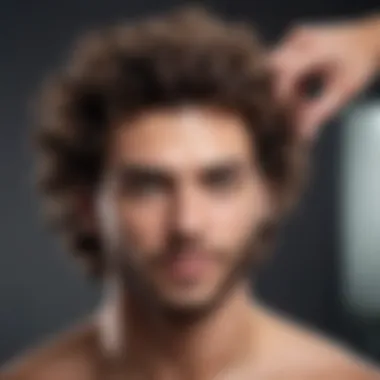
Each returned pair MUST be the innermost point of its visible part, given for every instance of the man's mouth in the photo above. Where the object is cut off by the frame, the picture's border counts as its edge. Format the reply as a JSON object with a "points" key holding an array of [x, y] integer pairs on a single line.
{"points": [[189, 266]]}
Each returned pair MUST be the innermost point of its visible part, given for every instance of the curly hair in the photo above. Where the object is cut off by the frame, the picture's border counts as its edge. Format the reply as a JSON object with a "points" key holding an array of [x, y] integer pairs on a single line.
{"points": [[183, 56]]}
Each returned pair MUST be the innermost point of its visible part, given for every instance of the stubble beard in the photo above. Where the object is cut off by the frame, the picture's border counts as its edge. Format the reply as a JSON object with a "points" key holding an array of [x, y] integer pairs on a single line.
{"points": [[145, 295]]}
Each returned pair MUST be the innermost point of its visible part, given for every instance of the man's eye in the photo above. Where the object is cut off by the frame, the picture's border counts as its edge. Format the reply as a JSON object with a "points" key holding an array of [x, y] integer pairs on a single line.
{"points": [[221, 180], [148, 187]]}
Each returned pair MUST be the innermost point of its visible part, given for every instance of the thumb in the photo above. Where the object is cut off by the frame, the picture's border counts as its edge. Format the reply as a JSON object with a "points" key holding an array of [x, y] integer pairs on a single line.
{"points": [[314, 114]]}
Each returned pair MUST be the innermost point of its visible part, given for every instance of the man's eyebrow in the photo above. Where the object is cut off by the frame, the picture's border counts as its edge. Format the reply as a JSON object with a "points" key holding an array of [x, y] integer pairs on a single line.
{"points": [[137, 170], [224, 166], [142, 170]]}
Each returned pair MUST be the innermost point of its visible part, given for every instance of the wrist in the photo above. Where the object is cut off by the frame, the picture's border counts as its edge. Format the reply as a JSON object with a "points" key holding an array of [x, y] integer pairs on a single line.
{"points": [[373, 28]]}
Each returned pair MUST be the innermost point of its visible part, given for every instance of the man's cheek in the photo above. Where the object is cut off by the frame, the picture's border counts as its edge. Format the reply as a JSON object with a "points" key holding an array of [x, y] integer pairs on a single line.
{"points": [[236, 226], [142, 232]]}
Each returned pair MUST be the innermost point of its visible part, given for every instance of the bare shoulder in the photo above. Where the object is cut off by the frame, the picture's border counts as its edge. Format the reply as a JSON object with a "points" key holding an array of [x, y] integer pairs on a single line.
{"points": [[306, 354], [70, 356]]}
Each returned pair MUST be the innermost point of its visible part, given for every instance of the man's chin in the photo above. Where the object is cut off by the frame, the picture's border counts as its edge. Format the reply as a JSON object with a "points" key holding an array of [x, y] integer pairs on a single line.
{"points": [[185, 301], [188, 307]]}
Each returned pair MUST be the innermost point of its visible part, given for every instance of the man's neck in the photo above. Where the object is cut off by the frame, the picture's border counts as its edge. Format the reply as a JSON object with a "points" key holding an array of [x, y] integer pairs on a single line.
{"points": [[200, 350]]}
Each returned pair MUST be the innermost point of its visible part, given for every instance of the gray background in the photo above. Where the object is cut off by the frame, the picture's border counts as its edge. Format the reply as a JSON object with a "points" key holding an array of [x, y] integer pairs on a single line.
{"points": [[41, 289]]}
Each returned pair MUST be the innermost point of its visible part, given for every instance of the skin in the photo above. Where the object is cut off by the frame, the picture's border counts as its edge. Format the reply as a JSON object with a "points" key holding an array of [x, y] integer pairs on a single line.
{"points": [[182, 199], [185, 197]]}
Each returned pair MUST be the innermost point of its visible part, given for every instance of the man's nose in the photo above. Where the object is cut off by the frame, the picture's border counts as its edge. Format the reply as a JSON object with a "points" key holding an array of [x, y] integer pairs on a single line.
{"points": [[188, 212]]}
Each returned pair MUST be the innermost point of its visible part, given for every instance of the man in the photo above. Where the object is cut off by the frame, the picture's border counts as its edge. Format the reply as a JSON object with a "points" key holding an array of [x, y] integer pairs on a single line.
{"points": [[166, 163]]}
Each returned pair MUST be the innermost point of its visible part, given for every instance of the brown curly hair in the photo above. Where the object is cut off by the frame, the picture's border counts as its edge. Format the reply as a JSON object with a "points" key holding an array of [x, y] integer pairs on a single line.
{"points": [[184, 56]]}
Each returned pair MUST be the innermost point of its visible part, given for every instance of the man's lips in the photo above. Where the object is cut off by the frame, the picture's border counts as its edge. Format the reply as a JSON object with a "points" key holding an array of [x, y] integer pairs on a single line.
{"points": [[189, 265]]}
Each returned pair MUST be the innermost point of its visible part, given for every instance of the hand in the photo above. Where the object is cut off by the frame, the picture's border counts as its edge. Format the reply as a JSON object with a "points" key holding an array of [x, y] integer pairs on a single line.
{"points": [[345, 55]]}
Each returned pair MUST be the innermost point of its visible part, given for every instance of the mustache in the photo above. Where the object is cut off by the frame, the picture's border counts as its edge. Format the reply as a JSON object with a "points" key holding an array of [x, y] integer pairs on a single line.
{"points": [[180, 246]]}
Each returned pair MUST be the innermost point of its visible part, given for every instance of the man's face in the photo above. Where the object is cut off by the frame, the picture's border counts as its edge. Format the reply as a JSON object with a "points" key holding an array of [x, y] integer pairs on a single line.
{"points": [[184, 201]]}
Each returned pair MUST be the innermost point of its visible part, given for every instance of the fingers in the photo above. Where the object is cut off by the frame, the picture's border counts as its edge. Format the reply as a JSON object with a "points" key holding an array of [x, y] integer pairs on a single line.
{"points": [[290, 69], [293, 68], [339, 91], [312, 115], [300, 55]]}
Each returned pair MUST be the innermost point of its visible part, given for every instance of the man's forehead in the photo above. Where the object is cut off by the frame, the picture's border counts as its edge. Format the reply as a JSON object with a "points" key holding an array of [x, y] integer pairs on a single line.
{"points": [[182, 137]]}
